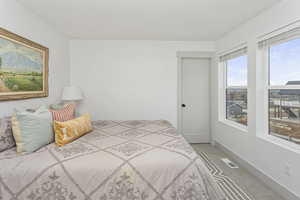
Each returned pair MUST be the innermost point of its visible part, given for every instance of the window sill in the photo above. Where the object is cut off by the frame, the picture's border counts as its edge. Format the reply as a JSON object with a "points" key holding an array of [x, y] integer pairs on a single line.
{"points": [[281, 142], [235, 125]]}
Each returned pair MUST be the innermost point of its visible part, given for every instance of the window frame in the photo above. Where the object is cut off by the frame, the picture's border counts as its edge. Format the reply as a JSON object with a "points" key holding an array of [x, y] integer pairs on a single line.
{"points": [[223, 86], [275, 87], [263, 127]]}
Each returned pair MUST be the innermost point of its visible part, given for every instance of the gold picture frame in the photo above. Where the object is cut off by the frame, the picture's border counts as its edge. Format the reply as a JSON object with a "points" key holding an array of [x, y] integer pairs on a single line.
{"points": [[23, 67]]}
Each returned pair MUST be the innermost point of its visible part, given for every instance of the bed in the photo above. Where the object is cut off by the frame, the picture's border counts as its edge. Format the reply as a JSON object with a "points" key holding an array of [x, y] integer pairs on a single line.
{"points": [[118, 160]]}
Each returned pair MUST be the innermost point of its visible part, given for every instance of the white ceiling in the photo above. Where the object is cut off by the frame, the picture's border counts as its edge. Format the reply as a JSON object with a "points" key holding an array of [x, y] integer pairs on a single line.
{"points": [[146, 19]]}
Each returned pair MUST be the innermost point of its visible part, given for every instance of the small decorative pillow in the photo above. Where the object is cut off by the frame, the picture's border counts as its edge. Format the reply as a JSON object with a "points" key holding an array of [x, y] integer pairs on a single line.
{"points": [[6, 136], [64, 114], [66, 132], [32, 130]]}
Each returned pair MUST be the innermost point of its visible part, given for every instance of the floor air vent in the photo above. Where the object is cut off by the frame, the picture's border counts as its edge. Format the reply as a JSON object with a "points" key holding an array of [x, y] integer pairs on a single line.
{"points": [[229, 163]]}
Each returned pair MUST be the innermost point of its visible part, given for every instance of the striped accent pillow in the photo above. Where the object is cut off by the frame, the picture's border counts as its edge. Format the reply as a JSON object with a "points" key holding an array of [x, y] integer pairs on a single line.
{"points": [[65, 114]]}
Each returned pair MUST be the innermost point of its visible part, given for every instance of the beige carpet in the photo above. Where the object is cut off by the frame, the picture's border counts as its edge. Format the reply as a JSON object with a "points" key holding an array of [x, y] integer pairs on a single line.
{"points": [[229, 187]]}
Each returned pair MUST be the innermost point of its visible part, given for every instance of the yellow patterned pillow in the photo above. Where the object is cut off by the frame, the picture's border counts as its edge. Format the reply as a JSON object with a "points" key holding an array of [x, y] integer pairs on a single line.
{"points": [[68, 131]]}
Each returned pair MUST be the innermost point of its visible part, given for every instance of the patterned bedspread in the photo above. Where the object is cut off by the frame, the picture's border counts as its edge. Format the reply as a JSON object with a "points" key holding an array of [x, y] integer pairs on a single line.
{"points": [[119, 160]]}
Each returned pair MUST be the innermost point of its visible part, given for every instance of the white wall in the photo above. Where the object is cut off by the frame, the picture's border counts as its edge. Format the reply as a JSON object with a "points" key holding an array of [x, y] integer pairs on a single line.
{"points": [[267, 156], [125, 80], [21, 21]]}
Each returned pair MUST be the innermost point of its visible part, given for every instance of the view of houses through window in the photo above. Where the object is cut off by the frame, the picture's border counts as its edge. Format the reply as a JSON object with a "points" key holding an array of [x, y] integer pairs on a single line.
{"points": [[283, 57], [284, 90], [236, 89]]}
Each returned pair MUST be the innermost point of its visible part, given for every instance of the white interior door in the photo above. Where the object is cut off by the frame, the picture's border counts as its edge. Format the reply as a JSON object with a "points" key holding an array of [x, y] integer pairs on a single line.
{"points": [[195, 99]]}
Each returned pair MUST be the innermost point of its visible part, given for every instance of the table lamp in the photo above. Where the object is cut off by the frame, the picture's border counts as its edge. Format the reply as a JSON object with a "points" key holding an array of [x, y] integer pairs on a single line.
{"points": [[72, 94]]}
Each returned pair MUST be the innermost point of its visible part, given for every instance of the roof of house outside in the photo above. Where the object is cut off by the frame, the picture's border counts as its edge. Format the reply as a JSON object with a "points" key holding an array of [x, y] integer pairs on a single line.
{"points": [[290, 92], [293, 83]]}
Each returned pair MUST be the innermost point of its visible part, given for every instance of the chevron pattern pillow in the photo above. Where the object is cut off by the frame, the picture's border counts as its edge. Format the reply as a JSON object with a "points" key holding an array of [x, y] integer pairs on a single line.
{"points": [[64, 114]]}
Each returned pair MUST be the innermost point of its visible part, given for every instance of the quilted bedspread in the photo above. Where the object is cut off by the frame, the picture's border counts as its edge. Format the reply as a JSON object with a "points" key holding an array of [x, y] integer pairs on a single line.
{"points": [[118, 160]]}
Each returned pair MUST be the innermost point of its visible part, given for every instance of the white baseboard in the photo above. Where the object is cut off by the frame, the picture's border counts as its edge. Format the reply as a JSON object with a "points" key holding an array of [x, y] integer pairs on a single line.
{"points": [[278, 188], [193, 138]]}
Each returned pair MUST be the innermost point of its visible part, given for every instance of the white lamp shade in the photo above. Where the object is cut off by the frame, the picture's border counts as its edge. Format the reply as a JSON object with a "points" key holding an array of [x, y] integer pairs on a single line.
{"points": [[71, 93]]}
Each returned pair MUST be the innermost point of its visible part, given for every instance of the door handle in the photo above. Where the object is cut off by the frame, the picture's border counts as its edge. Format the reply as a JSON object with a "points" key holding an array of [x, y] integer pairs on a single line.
{"points": [[183, 105]]}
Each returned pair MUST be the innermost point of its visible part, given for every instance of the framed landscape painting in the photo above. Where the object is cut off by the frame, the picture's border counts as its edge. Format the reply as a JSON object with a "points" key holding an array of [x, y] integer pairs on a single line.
{"points": [[23, 67]]}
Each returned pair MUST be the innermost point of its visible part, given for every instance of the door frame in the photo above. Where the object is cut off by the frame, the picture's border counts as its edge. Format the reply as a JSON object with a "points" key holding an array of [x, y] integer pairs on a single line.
{"points": [[180, 56]]}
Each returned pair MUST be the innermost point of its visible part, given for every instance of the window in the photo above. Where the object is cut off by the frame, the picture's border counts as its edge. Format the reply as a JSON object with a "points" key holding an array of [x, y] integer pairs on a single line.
{"points": [[235, 68], [283, 59]]}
